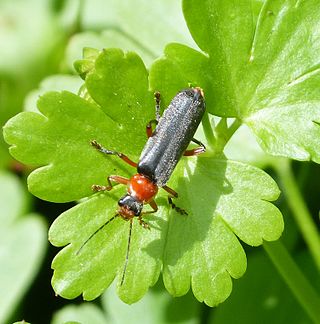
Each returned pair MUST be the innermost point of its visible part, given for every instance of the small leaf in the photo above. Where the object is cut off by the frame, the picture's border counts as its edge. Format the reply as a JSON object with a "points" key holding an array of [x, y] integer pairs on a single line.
{"points": [[109, 38], [244, 148], [150, 25], [124, 86], [156, 307], [22, 245], [84, 66], [84, 313], [13, 199], [266, 294], [56, 82], [268, 77]]}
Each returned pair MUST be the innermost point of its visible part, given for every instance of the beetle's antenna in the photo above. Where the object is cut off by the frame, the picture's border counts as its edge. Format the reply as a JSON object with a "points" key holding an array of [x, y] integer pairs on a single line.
{"points": [[98, 230], [127, 254]]}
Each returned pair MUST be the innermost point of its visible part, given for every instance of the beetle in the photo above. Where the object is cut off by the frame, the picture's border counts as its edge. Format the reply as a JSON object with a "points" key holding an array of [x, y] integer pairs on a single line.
{"points": [[165, 146]]}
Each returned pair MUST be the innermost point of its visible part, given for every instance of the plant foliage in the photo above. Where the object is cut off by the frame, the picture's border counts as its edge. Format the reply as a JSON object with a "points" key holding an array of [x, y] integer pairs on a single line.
{"points": [[267, 79]]}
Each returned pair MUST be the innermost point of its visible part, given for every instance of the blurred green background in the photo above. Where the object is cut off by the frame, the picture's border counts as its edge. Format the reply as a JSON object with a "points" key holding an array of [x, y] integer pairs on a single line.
{"points": [[39, 41]]}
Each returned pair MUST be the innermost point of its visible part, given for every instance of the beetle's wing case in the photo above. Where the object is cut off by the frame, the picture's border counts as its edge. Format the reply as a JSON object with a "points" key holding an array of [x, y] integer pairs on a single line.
{"points": [[172, 136]]}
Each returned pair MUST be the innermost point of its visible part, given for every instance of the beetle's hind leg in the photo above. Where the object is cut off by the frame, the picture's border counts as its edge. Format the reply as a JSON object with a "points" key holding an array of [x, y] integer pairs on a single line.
{"points": [[175, 207], [174, 194], [157, 98], [154, 122], [196, 151]]}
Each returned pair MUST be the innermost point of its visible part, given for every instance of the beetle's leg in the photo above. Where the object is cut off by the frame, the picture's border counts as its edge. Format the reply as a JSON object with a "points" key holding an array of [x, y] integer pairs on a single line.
{"points": [[194, 140], [149, 130], [154, 206], [154, 121], [170, 191], [115, 178], [157, 99], [174, 195], [198, 150], [175, 207], [142, 222], [103, 150]]}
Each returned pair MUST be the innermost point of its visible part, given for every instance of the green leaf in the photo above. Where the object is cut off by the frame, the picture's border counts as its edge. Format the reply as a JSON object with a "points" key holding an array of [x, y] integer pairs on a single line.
{"points": [[156, 307], [61, 135], [259, 66], [150, 25], [84, 66], [56, 82], [34, 38], [92, 270], [84, 313], [121, 80], [13, 199], [22, 245], [201, 247], [244, 148], [61, 144], [109, 38], [234, 200], [266, 294]]}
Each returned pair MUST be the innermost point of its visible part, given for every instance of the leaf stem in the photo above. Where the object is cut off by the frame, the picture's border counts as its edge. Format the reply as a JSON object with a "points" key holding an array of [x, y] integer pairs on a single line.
{"points": [[223, 133], [232, 128], [299, 209], [207, 129], [294, 278], [77, 24]]}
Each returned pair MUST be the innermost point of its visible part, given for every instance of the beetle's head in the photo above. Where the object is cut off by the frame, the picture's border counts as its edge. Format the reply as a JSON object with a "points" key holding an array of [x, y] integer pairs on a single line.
{"points": [[129, 207]]}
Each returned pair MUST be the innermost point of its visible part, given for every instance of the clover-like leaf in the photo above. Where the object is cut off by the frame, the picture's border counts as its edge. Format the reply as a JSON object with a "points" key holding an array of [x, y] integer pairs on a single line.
{"points": [[148, 25], [260, 63], [231, 200], [56, 82], [201, 248], [84, 313], [157, 307], [61, 135], [22, 245]]}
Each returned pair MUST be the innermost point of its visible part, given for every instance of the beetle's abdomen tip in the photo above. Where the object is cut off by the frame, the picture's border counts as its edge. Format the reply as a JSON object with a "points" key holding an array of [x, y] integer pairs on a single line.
{"points": [[199, 90]]}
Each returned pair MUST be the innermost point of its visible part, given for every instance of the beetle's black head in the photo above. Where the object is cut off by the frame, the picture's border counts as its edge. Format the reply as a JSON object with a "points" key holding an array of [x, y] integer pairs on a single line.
{"points": [[129, 206]]}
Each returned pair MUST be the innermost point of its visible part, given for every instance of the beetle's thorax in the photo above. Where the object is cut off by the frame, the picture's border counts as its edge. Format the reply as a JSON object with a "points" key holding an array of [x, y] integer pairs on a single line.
{"points": [[142, 188]]}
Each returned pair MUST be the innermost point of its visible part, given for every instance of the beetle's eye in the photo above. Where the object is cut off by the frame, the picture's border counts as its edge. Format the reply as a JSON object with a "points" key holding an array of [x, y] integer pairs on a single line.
{"points": [[121, 202]]}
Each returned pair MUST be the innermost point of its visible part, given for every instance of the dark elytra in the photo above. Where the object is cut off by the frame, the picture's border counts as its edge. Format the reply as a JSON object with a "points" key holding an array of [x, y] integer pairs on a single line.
{"points": [[172, 136]]}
